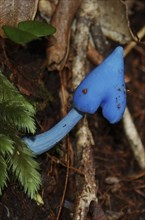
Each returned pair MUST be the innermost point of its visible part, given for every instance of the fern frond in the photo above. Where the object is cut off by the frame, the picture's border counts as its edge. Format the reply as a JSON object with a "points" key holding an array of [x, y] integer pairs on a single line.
{"points": [[9, 92], [26, 169], [14, 108], [3, 173], [6, 145], [8, 129], [15, 113]]}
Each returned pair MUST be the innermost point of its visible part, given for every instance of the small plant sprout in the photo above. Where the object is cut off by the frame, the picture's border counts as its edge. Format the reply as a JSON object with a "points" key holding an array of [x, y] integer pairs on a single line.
{"points": [[103, 87], [27, 31]]}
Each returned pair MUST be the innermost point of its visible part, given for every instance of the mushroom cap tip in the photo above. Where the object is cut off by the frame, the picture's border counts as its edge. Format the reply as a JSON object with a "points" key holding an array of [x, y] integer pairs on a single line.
{"points": [[105, 87], [119, 49]]}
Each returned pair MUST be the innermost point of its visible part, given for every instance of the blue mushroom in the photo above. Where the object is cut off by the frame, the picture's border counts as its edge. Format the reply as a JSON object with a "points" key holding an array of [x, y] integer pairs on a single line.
{"points": [[103, 87]]}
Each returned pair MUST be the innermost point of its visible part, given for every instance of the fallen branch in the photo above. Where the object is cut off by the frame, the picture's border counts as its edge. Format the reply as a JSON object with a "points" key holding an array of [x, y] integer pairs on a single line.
{"points": [[61, 20], [86, 185]]}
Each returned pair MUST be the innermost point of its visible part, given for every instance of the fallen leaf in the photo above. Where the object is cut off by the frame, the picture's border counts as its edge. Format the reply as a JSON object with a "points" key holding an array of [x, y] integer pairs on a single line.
{"points": [[14, 11], [114, 21]]}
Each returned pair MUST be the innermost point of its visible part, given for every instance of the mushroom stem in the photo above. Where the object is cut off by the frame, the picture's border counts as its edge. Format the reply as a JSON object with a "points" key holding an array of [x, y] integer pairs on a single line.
{"points": [[45, 141]]}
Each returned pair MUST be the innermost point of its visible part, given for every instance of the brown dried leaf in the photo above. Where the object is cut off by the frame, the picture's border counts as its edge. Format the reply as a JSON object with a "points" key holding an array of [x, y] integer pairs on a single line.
{"points": [[114, 21], [14, 11]]}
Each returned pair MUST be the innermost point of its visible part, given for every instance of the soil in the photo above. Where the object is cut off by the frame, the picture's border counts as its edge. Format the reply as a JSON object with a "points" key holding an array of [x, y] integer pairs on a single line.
{"points": [[121, 183]]}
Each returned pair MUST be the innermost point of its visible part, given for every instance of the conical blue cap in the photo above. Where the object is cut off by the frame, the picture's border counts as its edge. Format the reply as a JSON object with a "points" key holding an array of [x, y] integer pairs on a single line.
{"points": [[104, 87]]}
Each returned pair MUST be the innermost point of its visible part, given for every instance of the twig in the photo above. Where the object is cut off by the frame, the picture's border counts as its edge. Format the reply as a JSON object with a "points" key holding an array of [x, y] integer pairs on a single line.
{"points": [[67, 142], [57, 161], [134, 139], [132, 44], [93, 55], [65, 185], [129, 127]]}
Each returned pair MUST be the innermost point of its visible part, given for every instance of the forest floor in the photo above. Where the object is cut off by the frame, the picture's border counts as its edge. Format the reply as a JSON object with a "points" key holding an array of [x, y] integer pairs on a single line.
{"points": [[120, 181]]}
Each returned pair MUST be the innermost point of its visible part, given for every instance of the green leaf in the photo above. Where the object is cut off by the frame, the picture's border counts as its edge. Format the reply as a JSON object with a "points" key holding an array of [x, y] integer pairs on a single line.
{"points": [[18, 36], [3, 173], [6, 145], [28, 31], [37, 28]]}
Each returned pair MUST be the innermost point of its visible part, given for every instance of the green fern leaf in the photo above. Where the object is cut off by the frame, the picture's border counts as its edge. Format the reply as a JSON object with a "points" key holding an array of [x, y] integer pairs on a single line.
{"points": [[9, 92], [6, 145], [14, 108], [26, 169], [3, 173], [7, 129], [15, 113]]}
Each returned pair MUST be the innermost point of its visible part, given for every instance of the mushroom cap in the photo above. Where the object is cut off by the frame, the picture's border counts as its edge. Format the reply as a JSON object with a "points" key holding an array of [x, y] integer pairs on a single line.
{"points": [[104, 87]]}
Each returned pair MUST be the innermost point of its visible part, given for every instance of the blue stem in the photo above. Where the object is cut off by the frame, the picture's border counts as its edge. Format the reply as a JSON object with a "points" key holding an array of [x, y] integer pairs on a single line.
{"points": [[45, 141]]}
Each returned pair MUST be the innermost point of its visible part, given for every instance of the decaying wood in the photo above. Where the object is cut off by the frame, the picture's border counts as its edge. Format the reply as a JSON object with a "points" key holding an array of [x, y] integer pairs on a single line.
{"points": [[98, 36], [61, 20], [85, 19], [86, 185], [96, 31]]}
